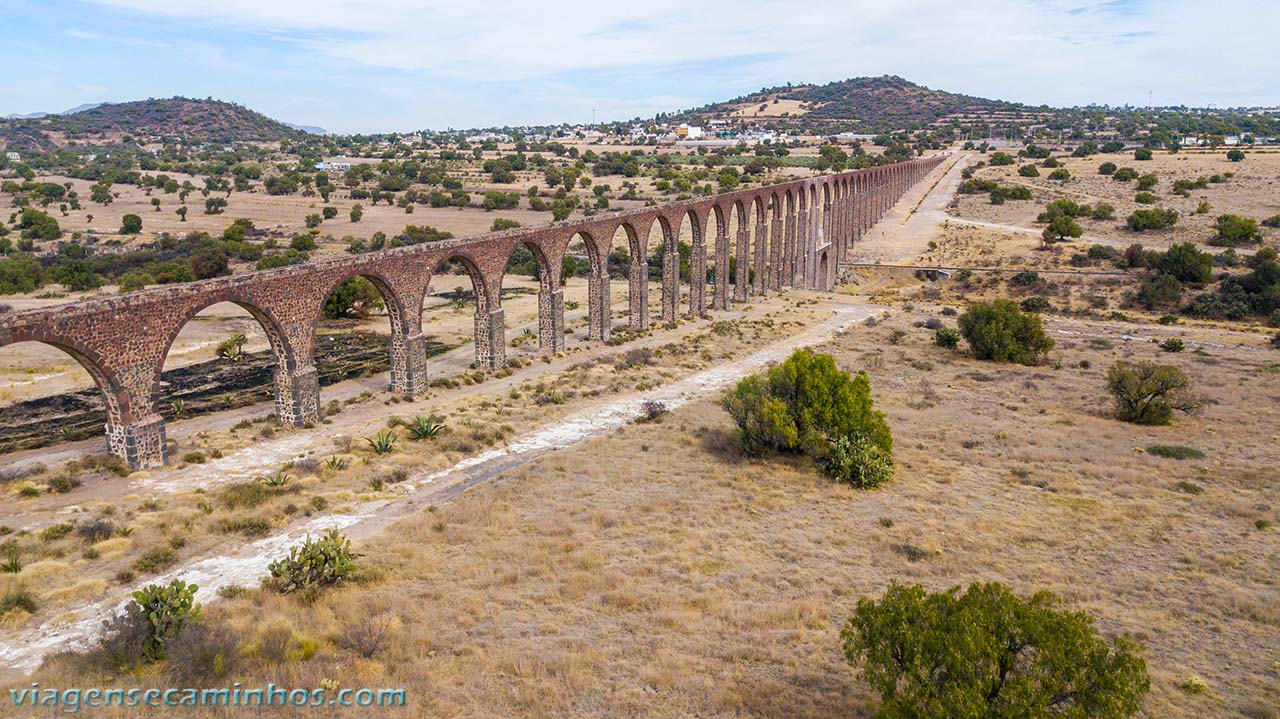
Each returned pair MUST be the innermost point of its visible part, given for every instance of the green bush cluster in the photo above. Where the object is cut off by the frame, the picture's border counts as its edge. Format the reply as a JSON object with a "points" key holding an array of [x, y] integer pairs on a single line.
{"points": [[1148, 393], [999, 331], [315, 564], [985, 652], [807, 404]]}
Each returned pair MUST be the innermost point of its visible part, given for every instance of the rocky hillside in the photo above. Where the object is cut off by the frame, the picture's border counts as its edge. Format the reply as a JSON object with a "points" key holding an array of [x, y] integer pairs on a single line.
{"points": [[170, 118], [866, 104]]}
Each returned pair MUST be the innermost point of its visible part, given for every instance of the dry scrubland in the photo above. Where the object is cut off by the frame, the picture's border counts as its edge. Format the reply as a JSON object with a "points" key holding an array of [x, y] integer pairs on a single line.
{"points": [[657, 572], [213, 498], [1253, 191]]}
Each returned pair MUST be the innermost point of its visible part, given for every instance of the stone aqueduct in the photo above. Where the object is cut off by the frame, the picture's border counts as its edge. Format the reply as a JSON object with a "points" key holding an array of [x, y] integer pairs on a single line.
{"points": [[802, 230]]}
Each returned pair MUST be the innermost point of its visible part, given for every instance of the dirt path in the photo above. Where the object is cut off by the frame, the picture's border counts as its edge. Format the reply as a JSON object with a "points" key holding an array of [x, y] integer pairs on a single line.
{"points": [[246, 564], [906, 230]]}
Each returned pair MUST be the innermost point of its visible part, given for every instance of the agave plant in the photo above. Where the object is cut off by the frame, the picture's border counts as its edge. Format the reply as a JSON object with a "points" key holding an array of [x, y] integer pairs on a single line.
{"points": [[425, 427], [335, 462], [381, 443], [277, 480]]}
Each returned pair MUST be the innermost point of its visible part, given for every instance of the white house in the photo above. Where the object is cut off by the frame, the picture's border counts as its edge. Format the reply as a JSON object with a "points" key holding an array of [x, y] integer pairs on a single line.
{"points": [[13, 156]]}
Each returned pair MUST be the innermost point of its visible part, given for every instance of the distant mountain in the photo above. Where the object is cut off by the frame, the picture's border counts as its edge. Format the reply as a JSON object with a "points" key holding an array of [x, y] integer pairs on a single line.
{"points": [[183, 118], [81, 108], [869, 104], [310, 129]]}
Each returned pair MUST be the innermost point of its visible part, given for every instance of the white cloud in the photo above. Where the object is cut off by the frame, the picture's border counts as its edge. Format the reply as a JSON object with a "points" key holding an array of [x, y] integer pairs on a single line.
{"points": [[1051, 51]]}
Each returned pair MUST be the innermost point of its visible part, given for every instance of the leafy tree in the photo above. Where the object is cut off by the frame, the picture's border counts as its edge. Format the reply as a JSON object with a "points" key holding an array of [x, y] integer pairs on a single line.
{"points": [[215, 205], [1142, 153], [1107, 168], [355, 298], [1148, 393], [101, 193], [807, 404], [130, 224], [313, 220], [1124, 174], [1028, 171], [1001, 158], [20, 273], [1060, 228], [1061, 174], [502, 223], [37, 225], [155, 202], [999, 331], [1235, 155], [182, 213], [986, 652], [357, 212], [303, 243]]}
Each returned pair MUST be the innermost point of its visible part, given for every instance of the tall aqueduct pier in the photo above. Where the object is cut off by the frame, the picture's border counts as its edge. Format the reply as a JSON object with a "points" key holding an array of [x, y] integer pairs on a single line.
{"points": [[803, 231]]}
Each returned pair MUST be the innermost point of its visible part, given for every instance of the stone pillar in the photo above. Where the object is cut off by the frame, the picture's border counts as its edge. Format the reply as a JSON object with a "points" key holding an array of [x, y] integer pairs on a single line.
{"points": [[721, 300], [698, 279], [775, 253], [140, 443], [786, 269], [491, 339], [298, 396], [670, 281], [638, 294], [742, 275], [409, 364], [802, 247], [551, 320], [599, 315], [760, 256]]}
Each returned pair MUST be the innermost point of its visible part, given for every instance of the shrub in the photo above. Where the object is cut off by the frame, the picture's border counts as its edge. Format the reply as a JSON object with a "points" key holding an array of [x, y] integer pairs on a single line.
{"points": [[1146, 182], [17, 598], [1234, 230], [1061, 174], [1028, 171], [1163, 291], [1060, 228], [1174, 451], [1185, 262], [1001, 158], [1035, 304], [425, 427], [1107, 168], [989, 653], [1000, 331], [946, 337], [1173, 344], [315, 564], [1144, 198], [857, 461], [155, 559], [1148, 393], [1153, 219], [1103, 211], [1235, 155], [1142, 153], [130, 224], [1124, 174], [1025, 278], [805, 404], [165, 609], [1272, 222]]}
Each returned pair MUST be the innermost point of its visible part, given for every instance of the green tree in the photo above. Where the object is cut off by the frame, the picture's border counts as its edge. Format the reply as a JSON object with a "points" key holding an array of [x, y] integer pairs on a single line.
{"points": [[215, 205], [356, 212], [999, 331], [1107, 168], [37, 225], [1028, 171], [502, 223], [20, 273], [1060, 228], [987, 653], [1148, 393], [1142, 153], [806, 404], [208, 263], [1186, 263], [355, 298], [1235, 155], [130, 224], [182, 213], [155, 202]]}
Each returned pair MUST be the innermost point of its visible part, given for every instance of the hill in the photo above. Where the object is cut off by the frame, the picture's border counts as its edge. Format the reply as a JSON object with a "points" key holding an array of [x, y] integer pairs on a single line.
{"points": [[866, 104], [181, 118]]}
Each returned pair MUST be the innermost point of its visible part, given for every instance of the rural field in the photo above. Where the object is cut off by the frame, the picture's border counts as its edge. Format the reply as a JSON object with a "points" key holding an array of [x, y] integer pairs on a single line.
{"points": [[848, 399]]}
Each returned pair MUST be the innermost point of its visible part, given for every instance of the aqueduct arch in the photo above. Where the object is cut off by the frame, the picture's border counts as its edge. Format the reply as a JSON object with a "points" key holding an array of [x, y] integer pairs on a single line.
{"points": [[122, 340]]}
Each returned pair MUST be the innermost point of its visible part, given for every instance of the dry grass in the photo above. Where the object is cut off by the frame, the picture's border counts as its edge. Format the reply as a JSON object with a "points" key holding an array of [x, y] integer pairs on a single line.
{"points": [[656, 572]]}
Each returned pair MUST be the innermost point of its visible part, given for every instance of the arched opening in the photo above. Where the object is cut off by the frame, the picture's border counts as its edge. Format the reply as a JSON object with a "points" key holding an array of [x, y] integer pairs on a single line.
{"points": [[529, 271], [668, 263], [587, 290], [358, 314], [776, 241], [739, 253], [46, 384], [824, 272], [759, 246], [789, 241], [628, 261], [697, 268], [455, 293], [226, 355]]}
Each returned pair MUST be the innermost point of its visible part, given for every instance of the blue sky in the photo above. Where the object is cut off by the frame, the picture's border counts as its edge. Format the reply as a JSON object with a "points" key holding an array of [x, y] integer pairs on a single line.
{"points": [[381, 65]]}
